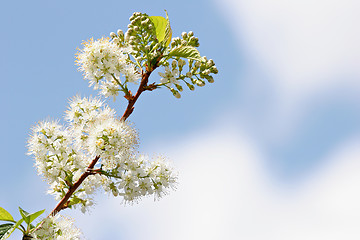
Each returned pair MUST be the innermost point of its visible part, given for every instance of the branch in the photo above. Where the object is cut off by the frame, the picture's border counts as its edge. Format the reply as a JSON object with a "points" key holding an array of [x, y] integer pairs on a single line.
{"points": [[63, 203], [132, 99]]}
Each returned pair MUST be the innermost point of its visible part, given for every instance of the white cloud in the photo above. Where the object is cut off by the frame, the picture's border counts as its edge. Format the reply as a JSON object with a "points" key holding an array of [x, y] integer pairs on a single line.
{"points": [[225, 194], [306, 45], [296, 52], [307, 48]]}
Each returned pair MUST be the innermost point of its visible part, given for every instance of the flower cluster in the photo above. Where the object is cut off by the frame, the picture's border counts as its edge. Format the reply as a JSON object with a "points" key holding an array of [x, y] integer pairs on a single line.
{"points": [[57, 228], [140, 177], [141, 36], [145, 46], [103, 62], [56, 158], [63, 154]]}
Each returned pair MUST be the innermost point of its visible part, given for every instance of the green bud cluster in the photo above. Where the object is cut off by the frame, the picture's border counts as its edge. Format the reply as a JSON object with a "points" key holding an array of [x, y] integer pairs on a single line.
{"points": [[141, 36], [198, 73], [149, 43], [118, 37], [187, 39]]}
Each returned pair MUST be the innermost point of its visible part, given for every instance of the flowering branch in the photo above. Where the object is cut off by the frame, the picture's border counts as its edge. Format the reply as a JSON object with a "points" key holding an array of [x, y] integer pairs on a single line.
{"points": [[66, 155], [63, 204], [64, 201]]}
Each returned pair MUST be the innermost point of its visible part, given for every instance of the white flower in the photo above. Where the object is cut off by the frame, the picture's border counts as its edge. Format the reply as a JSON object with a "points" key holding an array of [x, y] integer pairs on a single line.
{"points": [[63, 154], [102, 63], [55, 157], [113, 140], [143, 177], [57, 228], [169, 77]]}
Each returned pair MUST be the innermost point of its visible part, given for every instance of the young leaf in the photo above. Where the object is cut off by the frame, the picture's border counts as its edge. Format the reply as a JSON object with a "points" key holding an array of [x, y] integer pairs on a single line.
{"points": [[28, 218], [24, 215], [188, 52], [5, 215], [11, 230], [4, 228], [160, 24], [168, 31], [35, 215]]}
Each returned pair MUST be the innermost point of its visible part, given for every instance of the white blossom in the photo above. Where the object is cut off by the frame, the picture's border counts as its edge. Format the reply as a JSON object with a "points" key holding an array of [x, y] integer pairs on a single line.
{"points": [[103, 62], [143, 177], [57, 228], [169, 77], [63, 154], [113, 140], [55, 157]]}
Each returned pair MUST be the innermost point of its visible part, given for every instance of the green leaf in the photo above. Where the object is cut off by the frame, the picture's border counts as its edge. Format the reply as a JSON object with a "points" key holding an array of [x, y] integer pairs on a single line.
{"points": [[168, 31], [4, 228], [35, 215], [24, 215], [30, 217], [160, 26], [11, 230], [188, 52], [5, 215]]}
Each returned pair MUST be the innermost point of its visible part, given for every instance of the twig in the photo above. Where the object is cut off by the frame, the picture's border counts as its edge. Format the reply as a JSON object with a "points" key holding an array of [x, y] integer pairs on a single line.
{"points": [[63, 203]]}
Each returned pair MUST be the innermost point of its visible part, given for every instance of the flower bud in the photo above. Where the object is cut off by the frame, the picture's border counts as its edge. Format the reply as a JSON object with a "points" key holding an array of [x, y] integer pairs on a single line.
{"points": [[206, 72], [143, 23], [127, 36], [189, 74], [200, 83], [120, 33], [175, 93], [113, 35], [184, 35], [210, 63], [190, 34], [214, 70], [116, 40], [210, 79], [157, 45], [190, 86], [174, 64], [179, 87], [132, 31], [190, 61], [181, 63]]}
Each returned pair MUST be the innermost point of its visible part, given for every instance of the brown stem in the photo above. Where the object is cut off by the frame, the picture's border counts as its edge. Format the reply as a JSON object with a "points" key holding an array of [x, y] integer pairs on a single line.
{"points": [[64, 201], [131, 101]]}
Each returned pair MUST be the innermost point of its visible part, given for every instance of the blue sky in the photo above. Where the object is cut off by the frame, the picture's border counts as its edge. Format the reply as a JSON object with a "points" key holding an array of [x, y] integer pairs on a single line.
{"points": [[272, 142]]}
